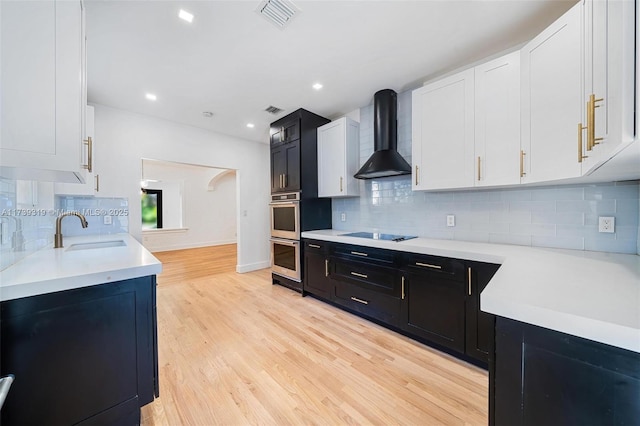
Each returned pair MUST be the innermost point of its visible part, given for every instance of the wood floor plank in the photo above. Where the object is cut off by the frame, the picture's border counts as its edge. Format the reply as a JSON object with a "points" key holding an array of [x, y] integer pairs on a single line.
{"points": [[235, 349]]}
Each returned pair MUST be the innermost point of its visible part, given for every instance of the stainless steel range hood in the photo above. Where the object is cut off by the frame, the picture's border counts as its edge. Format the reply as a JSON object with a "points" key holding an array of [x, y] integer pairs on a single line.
{"points": [[385, 161]]}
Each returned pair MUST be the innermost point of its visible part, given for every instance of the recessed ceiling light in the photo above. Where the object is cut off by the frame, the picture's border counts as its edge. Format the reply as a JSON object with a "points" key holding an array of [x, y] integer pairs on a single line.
{"points": [[151, 96], [317, 86], [183, 14], [251, 125]]}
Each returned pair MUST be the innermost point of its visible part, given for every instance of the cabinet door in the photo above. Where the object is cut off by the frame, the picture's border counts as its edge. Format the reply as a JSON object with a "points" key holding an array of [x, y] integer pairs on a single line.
{"points": [[332, 159], [316, 275], [292, 173], [278, 168], [41, 89], [497, 121], [479, 325], [609, 53], [434, 308], [552, 100], [443, 132]]}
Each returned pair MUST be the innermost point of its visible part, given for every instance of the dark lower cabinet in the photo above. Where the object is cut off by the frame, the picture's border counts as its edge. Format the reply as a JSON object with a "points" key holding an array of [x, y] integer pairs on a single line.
{"points": [[431, 298], [479, 325], [434, 308], [543, 377], [84, 355], [316, 269]]}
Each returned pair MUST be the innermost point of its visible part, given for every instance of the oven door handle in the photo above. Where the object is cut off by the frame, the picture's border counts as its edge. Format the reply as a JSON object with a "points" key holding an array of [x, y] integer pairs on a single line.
{"points": [[285, 242], [287, 203]]}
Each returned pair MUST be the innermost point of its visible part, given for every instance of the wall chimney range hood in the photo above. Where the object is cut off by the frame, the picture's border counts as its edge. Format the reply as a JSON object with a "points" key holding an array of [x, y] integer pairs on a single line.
{"points": [[385, 161]]}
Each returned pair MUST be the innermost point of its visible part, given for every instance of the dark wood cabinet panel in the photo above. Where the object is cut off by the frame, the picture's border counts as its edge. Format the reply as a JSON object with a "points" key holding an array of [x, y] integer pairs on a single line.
{"points": [[479, 325], [367, 275], [285, 131], [80, 353], [368, 302], [316, 269], [546, 377], [434, 308]]}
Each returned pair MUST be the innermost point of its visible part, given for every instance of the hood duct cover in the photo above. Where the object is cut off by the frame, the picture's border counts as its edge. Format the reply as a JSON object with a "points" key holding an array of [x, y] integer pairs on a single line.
{"points": [[385, 161]]}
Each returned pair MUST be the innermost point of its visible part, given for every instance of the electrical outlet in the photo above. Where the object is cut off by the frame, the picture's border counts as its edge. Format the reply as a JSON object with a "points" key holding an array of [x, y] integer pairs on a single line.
{"points": [[107, 220], [607, 224], [343, 217], [451, 220]]}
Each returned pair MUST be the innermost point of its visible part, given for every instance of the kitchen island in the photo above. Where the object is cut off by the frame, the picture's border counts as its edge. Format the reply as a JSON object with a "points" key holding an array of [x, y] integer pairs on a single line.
{"points": [[566, 346], [79, 332]]}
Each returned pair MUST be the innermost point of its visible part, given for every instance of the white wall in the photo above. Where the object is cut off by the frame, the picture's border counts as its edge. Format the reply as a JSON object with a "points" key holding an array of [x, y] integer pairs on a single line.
{"points": [[206, 216], [123, 139]]}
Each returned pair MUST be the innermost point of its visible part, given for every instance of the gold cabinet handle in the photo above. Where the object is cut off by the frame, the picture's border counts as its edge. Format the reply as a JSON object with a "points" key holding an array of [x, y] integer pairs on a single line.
{"points": [[314, 246], [89, 143], [428, 265], [340, 183], [358, 253], [478, 168], [355, 299], [281, 134], [326, 267], [580, 156], [97, 178], [469, 280], [284, 180], [403, 287], [417, 180], [357, 274], [522, 172], [591, 122]]}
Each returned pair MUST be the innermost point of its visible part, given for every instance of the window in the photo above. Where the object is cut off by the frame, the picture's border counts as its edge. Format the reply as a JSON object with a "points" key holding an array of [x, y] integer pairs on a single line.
{"points": [[151, 200]]}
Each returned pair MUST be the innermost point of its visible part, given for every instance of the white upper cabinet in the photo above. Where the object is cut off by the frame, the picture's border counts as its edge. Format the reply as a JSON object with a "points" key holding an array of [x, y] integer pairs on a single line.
{"points": [[443, 132], [497, 121], [41, 82], [608, 78], [338, 157], [552, 138]]}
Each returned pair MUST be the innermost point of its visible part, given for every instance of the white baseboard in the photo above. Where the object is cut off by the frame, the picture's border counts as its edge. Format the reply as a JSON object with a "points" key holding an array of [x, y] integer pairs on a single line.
{"points": [[241, 269], [183, 246]]}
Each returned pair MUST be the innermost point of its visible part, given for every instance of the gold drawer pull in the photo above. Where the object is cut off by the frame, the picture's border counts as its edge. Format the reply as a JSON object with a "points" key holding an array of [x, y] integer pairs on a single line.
{"points": [[403, 287], [356, 274], [314, 246], [580, 156], [89, 143], [340, 183], [355, 299], [522, 172], [428, 265], [469, 280], [478, 168], [417, 180], [326, 267], [357, 253]]}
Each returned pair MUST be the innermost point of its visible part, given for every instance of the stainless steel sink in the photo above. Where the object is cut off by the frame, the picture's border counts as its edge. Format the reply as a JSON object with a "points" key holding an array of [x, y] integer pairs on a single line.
{"points": [[96, 245]]}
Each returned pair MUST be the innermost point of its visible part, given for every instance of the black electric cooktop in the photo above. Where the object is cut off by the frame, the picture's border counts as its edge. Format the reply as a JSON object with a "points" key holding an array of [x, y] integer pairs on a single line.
{"points": [[378, 236]]}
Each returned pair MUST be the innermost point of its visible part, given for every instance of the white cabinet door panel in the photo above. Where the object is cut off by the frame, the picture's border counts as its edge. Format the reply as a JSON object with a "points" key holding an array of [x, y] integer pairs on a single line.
{"points": [[552, 99]]}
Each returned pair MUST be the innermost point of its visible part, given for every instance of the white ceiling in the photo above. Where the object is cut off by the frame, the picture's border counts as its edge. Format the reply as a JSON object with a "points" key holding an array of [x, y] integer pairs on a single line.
{"points": [[234, 63]]}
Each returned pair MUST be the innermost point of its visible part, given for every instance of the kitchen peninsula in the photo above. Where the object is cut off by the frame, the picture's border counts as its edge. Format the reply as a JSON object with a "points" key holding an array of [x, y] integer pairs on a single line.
{"points": [[79, 332]]}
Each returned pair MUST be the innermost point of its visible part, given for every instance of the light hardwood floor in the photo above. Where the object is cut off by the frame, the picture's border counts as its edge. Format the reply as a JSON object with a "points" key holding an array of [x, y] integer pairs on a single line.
{"points": [[235, 349]]}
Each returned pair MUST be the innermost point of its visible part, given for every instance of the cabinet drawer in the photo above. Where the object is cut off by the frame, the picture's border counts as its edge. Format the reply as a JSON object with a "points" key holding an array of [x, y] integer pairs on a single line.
{"points": [[315, 247], [286, 132], [371, 303], [362, 253], [443, 267], [365, 275]]}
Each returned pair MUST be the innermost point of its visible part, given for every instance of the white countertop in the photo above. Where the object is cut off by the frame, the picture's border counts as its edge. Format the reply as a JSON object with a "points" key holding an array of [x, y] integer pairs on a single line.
{"points": [[594, 295], [49, 270]]}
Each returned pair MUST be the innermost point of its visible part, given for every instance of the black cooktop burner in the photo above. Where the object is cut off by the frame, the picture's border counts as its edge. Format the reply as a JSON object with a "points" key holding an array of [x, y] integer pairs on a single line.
{"points": [[378, 236]]}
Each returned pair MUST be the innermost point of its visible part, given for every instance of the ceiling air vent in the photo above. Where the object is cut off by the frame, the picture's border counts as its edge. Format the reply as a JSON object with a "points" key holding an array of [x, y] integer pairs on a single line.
{"points": [[273, 110], [278, 12]]}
